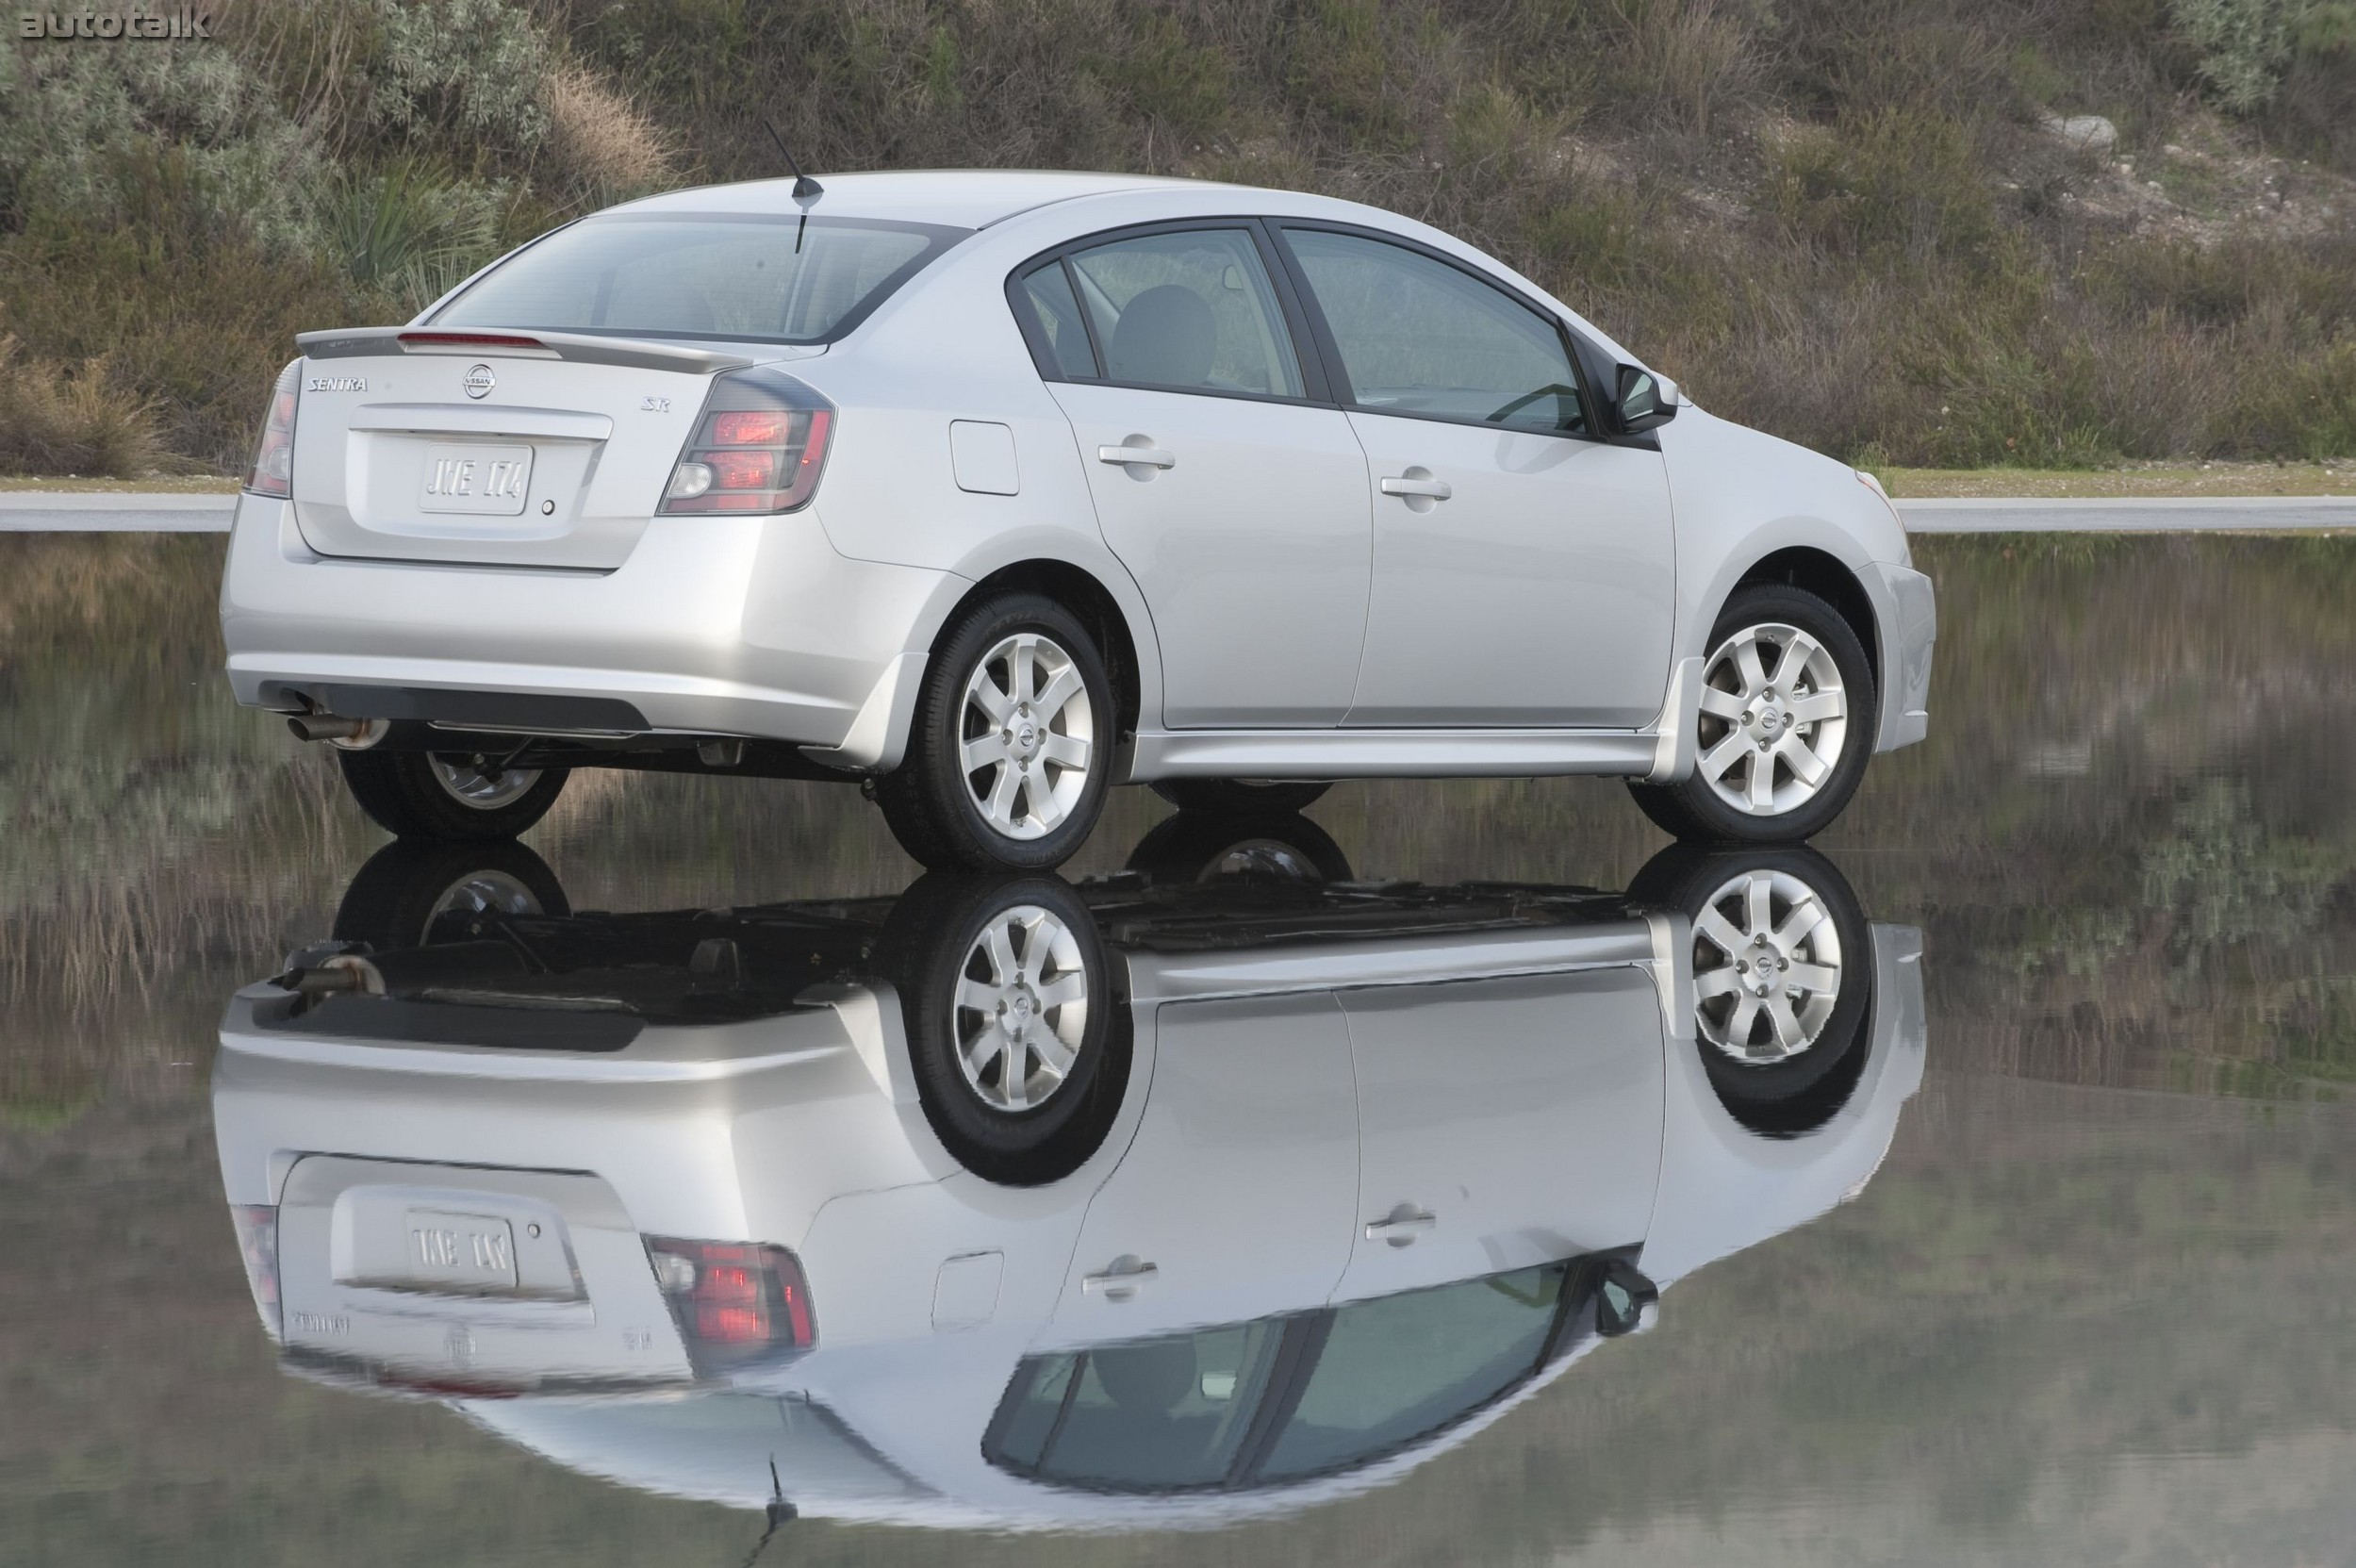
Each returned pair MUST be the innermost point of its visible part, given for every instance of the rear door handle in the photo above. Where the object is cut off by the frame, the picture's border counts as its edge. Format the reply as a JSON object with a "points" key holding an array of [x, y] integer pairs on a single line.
{"points": [[1401, 1225], [1438, 490], [1121, 1278], [1145, 456]]}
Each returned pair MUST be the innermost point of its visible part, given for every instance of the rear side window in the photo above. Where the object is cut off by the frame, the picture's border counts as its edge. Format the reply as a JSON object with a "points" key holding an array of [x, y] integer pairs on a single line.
{"points": [[1417, 335], [757, 279], [1188, 312], [1047, 293]]}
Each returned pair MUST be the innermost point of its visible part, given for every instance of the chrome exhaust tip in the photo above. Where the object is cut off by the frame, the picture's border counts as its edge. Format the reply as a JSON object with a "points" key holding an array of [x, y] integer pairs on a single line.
{"points": [[351, 735]]}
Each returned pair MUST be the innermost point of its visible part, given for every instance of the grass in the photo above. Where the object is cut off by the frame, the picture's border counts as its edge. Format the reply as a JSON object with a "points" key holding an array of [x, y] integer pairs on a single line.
{"points": [[2142, 480], [1836, 222]]}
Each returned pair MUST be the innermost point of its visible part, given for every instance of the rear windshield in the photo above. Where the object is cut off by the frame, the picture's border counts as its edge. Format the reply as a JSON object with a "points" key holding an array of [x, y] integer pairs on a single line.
{"points": [[723, 275]]}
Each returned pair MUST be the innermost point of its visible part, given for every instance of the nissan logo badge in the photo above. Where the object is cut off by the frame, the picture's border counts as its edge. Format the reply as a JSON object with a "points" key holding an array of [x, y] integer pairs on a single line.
{"points": [[478, 380]]}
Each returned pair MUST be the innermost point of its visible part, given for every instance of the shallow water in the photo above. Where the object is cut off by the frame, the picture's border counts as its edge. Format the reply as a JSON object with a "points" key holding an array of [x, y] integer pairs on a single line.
{"points": [[2092, 1307]]}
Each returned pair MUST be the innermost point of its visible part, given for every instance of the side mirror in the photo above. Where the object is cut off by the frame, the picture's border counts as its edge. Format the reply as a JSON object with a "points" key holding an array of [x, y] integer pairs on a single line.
{"points": [[1624, 1301], [1644, 400]]}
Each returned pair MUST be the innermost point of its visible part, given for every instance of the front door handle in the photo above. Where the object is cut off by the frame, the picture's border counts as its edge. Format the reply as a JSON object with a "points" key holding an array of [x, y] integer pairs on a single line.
{"points": [[1143, 456], [1401, 1225], [1417, 481], [1122, 1278]]}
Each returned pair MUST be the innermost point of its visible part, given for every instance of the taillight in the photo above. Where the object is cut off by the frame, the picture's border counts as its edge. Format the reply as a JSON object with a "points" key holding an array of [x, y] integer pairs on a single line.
{"points": [[274, 459], [734, 1302], [758, 447], [257, 1243]]}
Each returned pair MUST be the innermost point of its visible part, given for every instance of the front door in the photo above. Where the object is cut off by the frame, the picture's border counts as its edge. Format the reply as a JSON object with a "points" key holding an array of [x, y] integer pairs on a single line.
{"points": [[1238, 505], [1524, 571]]}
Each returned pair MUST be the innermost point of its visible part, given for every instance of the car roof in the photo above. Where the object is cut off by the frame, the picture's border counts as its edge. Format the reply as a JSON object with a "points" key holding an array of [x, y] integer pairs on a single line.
{"points": [[963, 198]]}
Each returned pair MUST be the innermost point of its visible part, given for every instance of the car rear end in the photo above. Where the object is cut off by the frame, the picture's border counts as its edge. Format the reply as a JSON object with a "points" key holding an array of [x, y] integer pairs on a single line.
{"points": [[438, 1191], [578, 497]]}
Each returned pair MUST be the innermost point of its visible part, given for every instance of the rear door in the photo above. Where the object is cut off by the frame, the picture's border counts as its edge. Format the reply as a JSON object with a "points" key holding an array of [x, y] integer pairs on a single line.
{"points": [[1504, 1122], [1524, 571], [1235, 497], [1236, 1196]]}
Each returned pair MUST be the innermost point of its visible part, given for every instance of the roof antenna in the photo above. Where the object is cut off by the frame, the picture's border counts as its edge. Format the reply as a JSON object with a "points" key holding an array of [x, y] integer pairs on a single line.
{"points": [[781, 1514], [805, 187]]}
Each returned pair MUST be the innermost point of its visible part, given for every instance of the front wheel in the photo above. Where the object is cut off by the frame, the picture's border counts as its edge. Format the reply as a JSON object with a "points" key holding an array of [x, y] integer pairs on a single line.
{"points": [[1785, 723], [1009, 745], [449, 795]]}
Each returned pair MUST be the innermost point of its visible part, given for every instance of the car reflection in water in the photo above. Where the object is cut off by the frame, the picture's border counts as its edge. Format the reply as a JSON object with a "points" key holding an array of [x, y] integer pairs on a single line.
{"points": [[1211, 1190]]}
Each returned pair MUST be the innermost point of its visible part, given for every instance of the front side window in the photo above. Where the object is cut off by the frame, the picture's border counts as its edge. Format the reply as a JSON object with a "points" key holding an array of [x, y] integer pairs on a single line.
{"points": [[1417, 335], [1395, 1369], [775, 280], [1187, 312]]}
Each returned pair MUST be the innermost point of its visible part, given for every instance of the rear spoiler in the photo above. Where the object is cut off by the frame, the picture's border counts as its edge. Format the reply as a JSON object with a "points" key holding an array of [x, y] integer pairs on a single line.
{"points": [[582, 348]]}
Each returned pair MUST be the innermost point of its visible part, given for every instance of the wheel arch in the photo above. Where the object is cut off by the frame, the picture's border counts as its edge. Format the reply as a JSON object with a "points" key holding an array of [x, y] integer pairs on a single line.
{"points": [[1828, 577], [1099, 609]]}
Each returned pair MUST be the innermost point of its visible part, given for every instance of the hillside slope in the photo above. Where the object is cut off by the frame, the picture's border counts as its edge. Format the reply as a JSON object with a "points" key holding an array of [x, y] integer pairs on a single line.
{"points": [[1887, 228]]}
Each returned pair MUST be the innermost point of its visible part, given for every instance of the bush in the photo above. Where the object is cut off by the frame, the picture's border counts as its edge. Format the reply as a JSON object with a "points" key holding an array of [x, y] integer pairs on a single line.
{"points": [[53, 420]]}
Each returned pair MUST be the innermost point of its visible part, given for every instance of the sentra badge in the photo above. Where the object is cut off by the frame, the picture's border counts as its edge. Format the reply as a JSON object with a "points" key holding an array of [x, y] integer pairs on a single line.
{"points": [[336, 384], [478, 380]]}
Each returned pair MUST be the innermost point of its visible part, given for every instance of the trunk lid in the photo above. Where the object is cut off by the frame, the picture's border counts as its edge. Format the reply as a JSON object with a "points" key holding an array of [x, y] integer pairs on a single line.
{"points": [[543, 449]]}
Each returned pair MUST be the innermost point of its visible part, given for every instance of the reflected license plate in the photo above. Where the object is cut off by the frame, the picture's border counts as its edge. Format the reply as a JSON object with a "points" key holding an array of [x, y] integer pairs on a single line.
{"points": [[474, 1252], [487, 481]]}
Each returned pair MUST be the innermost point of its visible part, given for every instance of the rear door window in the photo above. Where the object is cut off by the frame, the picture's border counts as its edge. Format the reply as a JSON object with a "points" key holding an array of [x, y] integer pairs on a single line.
{"points": [[722, 276], [1191, 311]]}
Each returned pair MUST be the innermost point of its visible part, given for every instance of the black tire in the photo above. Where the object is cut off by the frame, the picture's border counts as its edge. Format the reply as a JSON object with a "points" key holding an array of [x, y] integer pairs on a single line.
{"points": [[933, 943], [1804, 1090], [412, 892], [402, 794], [1242, 797], [1692, 810], [1199, 847], [927, 802]]}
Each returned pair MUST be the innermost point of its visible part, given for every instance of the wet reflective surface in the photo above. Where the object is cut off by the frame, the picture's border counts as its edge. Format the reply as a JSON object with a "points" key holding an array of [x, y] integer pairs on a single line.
{"points": [[1422, 1183]]}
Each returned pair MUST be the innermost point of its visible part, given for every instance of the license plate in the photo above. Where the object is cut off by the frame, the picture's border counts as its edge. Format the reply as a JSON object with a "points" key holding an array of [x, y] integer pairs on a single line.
{"points": [[488, 481], [470, 1251]]}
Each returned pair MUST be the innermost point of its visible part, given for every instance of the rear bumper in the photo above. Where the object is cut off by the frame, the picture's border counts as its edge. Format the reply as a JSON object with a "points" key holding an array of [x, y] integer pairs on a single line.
{"points": [[731, 626]]}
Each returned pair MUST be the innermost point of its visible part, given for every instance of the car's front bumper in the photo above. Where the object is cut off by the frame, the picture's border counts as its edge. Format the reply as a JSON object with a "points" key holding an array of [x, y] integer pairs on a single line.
{"points": [[714, 626], [1909, 628]]}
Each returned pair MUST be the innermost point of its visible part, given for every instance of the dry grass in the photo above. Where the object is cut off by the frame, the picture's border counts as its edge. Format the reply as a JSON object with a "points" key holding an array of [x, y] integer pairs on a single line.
{"points": [[600, 139], [54, 420]]}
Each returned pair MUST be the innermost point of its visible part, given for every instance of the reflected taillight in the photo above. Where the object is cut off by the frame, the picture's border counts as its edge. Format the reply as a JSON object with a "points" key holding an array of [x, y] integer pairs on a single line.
{"points": [[257, 1243], [273, 458], [759, 446], [734, 1302]]}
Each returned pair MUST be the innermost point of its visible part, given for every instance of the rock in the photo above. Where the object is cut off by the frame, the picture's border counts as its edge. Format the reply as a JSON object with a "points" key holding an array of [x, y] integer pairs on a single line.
{"points": [[2084, 133]]}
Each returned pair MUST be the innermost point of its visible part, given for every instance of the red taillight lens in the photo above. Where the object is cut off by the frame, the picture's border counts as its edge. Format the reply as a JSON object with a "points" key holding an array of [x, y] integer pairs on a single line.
{"points": [[456, 343], [766, 427], [734, 1302], [257, 1243], [274, 456], [758, 447]]}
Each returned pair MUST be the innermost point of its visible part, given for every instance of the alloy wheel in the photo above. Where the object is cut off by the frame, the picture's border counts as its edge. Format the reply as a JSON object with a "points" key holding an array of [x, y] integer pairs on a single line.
{"points": [[1021, 1008], [474, 780], [1767, 968], [1029, 735], [1774, 719]]}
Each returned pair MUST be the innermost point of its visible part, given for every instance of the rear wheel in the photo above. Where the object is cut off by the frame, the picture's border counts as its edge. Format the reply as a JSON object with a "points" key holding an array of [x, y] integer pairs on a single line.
{"points": [[449, 795], [1242, 797], [1019, 1047], [412, 892], [1009, 745], [1785, 723]]}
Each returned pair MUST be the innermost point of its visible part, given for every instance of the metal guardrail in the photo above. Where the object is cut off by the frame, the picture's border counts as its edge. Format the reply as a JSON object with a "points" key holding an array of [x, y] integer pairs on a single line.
{"points": [[114, 512]]}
